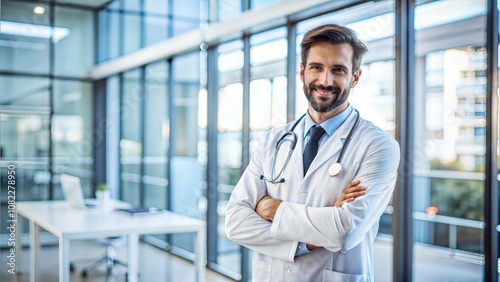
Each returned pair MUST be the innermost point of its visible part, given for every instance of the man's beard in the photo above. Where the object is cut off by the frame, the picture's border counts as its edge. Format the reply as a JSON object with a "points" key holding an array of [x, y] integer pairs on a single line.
{"points": [[321, 105]]}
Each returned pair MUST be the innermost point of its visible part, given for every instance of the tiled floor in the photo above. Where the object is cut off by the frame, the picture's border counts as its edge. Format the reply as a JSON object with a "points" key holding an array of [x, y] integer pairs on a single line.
{"points": [[430, 265], [155, 265]]}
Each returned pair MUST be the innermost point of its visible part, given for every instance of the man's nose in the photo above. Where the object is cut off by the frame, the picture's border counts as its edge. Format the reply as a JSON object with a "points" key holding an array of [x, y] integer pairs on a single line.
{"points": [[327, 78]]}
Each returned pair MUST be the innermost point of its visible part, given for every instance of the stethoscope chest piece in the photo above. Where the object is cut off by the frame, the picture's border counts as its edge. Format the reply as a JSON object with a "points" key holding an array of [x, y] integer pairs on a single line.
{"points": [[335, 169]]}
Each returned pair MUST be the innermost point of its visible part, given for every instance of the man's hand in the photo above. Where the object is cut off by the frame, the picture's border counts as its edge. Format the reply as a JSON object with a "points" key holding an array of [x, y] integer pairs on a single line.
{"points": [[351, 192], [266, 207]]}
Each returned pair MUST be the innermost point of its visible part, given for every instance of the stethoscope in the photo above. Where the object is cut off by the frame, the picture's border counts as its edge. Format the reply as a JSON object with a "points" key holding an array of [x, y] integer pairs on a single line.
{"points": [[333, 170]]}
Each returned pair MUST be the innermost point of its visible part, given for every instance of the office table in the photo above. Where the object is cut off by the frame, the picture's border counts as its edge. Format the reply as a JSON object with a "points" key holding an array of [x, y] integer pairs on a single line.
{"points": [[68, 223]]}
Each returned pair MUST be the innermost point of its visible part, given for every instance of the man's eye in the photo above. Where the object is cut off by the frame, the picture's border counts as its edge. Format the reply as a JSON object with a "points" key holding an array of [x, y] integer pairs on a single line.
{"points": [[339, 70]]}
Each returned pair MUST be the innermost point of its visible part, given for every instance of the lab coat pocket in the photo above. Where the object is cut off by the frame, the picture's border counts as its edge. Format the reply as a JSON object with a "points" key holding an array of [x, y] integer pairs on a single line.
{"points": [[261, 270], [334, 276]]}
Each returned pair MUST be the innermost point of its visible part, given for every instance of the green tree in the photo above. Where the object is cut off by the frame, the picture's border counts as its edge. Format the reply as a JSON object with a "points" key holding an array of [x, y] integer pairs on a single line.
{"points": [[456, 197]]}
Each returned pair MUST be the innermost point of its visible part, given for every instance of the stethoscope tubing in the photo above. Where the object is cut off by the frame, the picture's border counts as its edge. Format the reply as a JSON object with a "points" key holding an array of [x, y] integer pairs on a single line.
{"points": [[293, 142], [348, 138]]}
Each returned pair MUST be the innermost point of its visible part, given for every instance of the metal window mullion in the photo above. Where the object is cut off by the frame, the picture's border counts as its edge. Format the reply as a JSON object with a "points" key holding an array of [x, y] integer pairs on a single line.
{"points": [[170, 17], [142, 36], [246, 103], [142, 122], [121, 30], [212, 155], [170, 113], [171, 139], [107, 45], [99, 129], [246, 78], [96, 21], [491, 164], [291, 70], [120, 133], [245, 5], [402, 222], [52, 10]]}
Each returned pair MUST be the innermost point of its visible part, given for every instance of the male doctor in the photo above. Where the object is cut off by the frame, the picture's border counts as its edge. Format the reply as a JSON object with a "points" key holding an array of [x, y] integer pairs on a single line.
{"points": [[316, 222]]}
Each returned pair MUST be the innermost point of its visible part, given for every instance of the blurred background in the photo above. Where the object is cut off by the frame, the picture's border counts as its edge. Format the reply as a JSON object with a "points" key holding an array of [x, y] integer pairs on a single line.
{"points": [[166, 100]]}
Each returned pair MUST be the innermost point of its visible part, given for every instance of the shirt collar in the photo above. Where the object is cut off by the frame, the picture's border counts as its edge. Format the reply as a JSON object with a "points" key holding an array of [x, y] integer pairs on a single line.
{"points": [[330, 125]]}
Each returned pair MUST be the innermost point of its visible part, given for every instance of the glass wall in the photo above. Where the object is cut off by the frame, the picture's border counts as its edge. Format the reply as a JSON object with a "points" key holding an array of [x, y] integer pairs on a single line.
{"points": [[129, 25], [153, 112], [72, 133], [259, 4], [131, 146], [25, 136], [268, 83], [46, 100], [156, 21], [156, 139], [225, 10], [25, 38], [450, 111], [229, 143], [188, 159], [75, 51]]}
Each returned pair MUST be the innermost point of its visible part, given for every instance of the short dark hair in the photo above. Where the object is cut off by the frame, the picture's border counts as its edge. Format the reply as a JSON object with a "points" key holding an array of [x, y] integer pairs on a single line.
{"points": [[334, 34]]}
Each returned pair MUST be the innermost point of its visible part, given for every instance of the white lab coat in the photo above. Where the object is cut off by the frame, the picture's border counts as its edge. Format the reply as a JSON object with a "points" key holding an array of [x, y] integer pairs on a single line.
{"points": [[345, 235]]}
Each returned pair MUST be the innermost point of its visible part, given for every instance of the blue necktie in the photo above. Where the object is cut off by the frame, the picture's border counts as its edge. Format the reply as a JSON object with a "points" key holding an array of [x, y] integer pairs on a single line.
{"points": [[311, 148]]}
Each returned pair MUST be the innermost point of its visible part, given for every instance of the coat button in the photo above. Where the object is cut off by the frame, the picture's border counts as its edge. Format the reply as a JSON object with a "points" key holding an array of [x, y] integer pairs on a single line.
{"points": [[288, 269]]}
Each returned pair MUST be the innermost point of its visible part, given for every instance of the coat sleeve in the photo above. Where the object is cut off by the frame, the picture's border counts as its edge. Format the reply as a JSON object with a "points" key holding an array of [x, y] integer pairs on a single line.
{"points": [[243, 225], [341, 229]]}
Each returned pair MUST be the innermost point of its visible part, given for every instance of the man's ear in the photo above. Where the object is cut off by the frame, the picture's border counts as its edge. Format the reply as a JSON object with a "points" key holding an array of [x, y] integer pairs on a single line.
{"points": [[301, 72], [355, 77]]}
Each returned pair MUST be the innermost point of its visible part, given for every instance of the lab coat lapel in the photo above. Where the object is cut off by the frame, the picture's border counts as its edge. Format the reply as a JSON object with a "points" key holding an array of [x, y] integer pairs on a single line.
{"points": [[331, 149]]}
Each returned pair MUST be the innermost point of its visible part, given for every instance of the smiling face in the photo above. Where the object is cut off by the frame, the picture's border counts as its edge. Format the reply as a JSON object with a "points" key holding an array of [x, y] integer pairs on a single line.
{"points": [[328, 77]]}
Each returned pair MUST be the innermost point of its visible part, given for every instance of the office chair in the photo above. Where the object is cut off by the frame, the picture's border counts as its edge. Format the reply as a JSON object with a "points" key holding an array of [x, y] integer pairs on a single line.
{"points": [[109, 256]]}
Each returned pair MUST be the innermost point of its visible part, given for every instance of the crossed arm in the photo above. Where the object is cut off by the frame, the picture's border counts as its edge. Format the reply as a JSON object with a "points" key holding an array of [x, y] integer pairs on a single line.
{"points": [[267, 206]]}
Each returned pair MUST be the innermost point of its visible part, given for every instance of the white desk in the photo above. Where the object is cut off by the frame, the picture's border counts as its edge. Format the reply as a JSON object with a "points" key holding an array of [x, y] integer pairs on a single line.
{"points": [[69, 224]]}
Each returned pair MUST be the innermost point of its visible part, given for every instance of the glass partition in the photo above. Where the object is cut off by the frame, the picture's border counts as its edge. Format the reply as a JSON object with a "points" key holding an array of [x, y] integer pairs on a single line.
{"points": [[187, 169], [72, 134], [188, 15], [132, 31], [25, 38], [449, 138], [131, 136], [226, 10], [79, 40], [268, 83], [24, 140], [156, 21], [156, 136], [230, 136]]}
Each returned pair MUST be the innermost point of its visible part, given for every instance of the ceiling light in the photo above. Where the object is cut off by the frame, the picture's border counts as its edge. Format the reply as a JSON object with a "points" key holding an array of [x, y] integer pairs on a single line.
{"points": [[33, 30], [39, 10]]}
